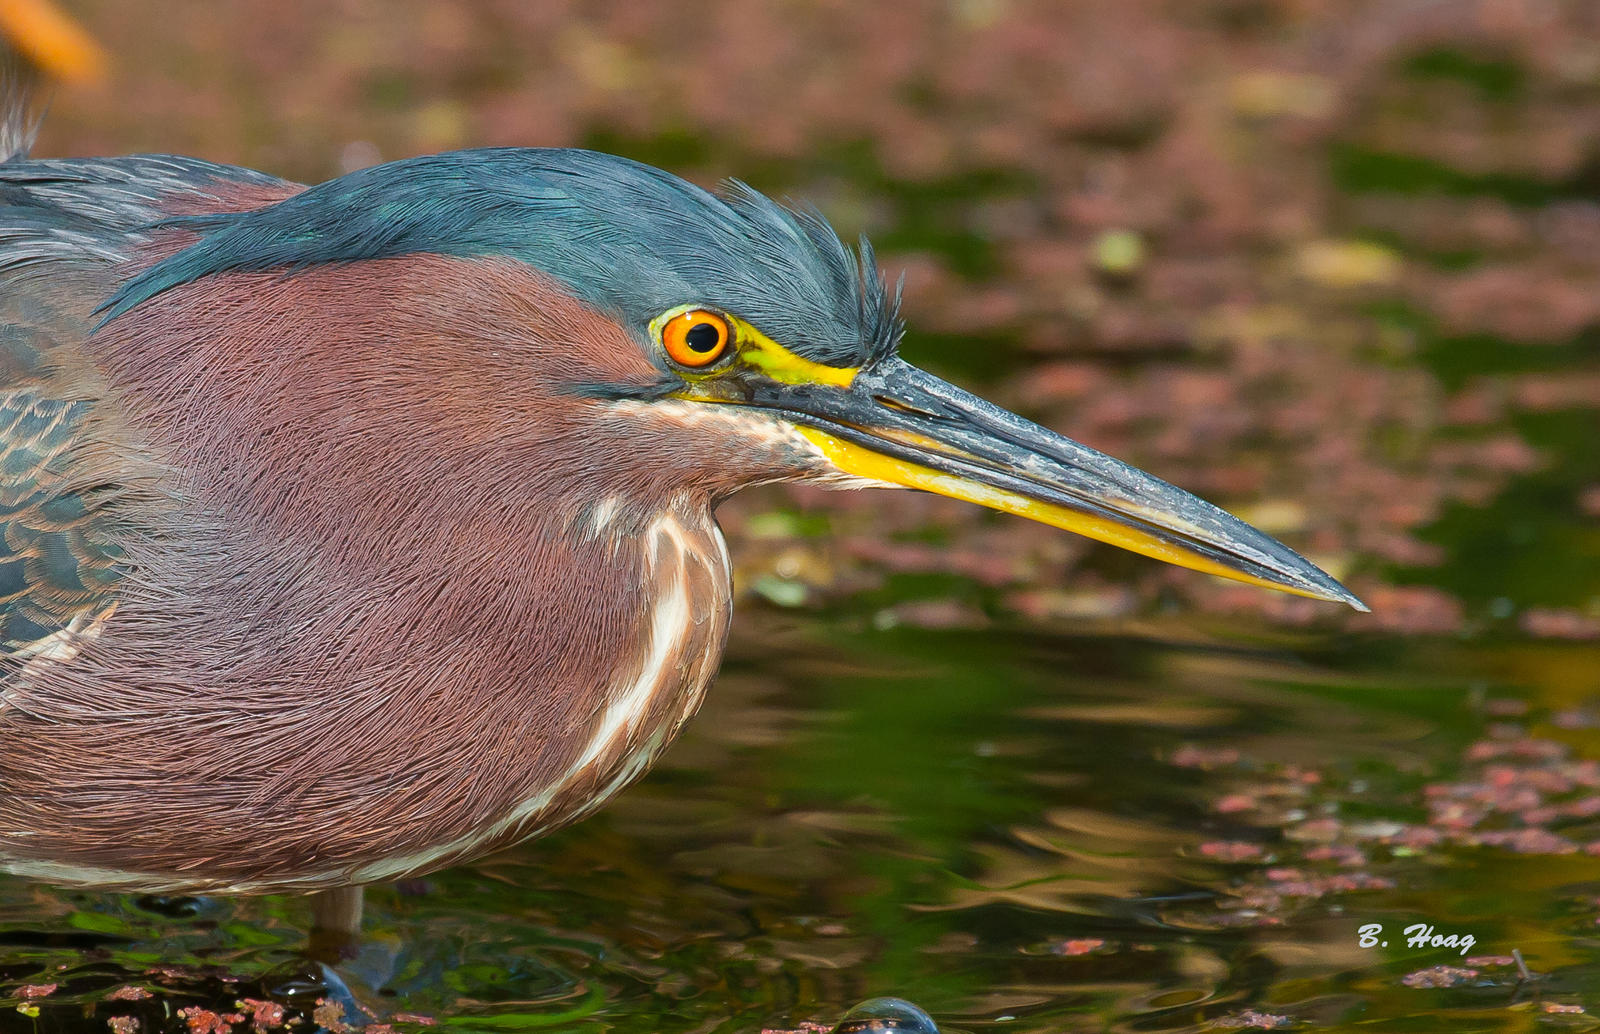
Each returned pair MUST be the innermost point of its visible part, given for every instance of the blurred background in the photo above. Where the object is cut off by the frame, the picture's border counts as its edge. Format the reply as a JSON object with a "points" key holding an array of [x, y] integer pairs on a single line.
{"points": [[1332, 264]]}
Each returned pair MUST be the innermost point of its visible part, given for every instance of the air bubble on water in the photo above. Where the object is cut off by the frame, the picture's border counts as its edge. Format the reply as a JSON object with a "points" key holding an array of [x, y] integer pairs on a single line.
{"points": [[886, 1014]]}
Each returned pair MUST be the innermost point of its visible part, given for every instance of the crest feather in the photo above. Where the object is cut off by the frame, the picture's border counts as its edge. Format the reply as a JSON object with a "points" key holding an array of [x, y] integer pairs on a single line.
{"points": [[630, 240], [18, 126]]}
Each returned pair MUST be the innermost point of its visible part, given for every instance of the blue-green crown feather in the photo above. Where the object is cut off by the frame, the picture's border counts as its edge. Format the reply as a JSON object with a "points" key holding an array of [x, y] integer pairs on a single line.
{"points": [[626, 238]]}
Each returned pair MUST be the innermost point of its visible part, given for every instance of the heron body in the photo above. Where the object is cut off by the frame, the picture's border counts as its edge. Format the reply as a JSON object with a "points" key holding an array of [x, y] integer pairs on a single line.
{"points": [[355, 530]]}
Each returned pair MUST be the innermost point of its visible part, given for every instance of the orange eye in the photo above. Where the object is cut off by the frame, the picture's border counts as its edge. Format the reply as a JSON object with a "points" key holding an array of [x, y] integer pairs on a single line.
{"points": [[696, 338]]}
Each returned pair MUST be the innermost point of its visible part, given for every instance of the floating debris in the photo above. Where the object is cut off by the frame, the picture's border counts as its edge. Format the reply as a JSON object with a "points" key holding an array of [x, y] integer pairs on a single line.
{"points": [[1250, 1019], [1440, 976], [1082, 946]]}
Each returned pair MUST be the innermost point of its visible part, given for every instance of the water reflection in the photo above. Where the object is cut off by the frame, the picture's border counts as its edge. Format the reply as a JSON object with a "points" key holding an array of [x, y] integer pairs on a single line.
{"points": [[1010, 830]]}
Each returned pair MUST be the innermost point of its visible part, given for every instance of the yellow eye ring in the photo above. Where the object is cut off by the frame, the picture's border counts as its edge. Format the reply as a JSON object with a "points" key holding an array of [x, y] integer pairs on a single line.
{"points": [[696, 338]]}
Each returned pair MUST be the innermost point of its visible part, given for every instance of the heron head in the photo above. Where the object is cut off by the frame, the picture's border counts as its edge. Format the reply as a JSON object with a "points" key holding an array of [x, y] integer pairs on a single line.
{"points": [[712, 341]]}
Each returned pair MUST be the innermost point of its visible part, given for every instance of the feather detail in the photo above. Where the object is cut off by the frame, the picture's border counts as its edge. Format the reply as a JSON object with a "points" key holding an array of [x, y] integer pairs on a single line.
{"points": [[580, 217], [17, 124]]}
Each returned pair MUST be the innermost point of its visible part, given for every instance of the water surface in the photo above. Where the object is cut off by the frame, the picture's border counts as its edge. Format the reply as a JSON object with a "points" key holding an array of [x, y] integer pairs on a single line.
{"points": [[1156, 829]]}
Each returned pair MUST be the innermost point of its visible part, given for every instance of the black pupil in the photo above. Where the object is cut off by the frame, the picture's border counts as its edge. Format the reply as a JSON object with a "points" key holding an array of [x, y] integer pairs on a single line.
{"points": [[703, 338]]}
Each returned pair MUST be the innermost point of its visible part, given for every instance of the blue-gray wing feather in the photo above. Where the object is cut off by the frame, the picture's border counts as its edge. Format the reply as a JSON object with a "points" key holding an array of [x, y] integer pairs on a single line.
{"points": [[69, 230]]}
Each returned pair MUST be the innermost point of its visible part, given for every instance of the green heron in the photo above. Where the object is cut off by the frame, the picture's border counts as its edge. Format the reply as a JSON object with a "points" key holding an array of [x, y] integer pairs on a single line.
{"points": [[356, 530]]}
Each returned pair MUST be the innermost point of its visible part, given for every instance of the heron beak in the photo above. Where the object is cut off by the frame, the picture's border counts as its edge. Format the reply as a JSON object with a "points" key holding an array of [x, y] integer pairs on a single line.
{"points": [[894, 423]]}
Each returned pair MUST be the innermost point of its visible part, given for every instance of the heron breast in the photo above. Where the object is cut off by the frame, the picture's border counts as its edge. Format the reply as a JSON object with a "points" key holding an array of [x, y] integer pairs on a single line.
{"points": [[685, 604], [687, 623]]}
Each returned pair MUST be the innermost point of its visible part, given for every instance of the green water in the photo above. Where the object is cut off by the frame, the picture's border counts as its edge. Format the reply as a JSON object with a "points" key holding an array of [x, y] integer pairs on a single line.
{"points": [[1016, 831]]}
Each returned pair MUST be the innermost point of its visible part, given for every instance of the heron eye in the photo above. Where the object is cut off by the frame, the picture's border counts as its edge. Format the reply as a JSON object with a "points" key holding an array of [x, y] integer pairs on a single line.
{"points": [[696, 338]]}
